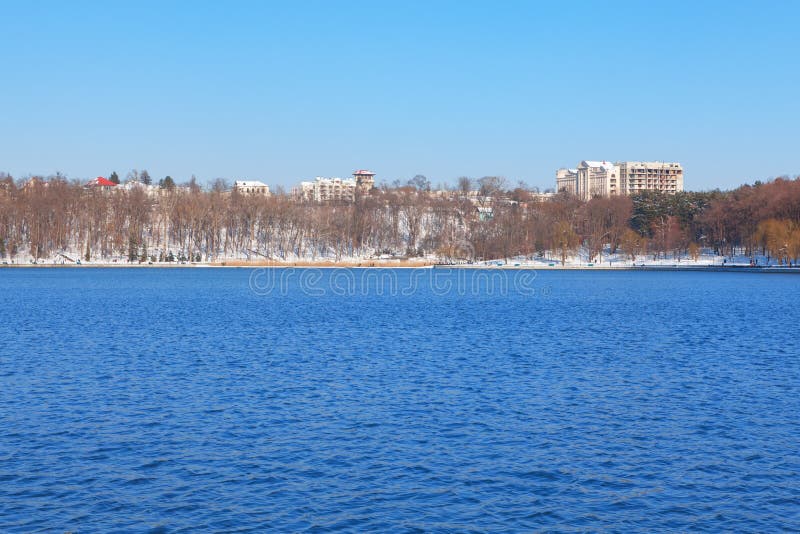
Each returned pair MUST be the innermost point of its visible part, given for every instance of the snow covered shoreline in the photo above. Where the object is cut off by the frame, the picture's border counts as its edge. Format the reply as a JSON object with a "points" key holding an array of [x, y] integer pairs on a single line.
{"points": [[705, 261], [642, 267], [366, 264]]}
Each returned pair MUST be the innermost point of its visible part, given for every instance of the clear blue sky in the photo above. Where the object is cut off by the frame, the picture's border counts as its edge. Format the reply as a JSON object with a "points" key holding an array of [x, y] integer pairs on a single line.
{"points": [[283, 92]]}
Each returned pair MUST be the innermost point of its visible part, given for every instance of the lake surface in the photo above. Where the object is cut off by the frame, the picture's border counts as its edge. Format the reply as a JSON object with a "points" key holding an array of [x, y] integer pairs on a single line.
{"points": [[199, 400]]}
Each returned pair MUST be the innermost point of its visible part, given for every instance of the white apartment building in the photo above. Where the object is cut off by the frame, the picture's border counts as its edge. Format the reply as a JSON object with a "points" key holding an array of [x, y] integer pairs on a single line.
{"points": [[328, 189], [603, 178], [650, 175], [342, 189], [251, 187]]}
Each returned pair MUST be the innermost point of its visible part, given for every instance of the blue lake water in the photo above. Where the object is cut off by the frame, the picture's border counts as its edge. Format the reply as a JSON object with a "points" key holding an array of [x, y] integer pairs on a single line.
{"points": [[196, 400]]}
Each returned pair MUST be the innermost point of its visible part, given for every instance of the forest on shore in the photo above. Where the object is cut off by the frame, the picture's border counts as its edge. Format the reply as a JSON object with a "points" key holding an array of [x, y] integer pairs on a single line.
{"points": [[45, 217]]}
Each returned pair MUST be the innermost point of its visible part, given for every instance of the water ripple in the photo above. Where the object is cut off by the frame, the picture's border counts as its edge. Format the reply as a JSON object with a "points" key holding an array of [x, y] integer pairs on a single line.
{"points": [[180, 401]]}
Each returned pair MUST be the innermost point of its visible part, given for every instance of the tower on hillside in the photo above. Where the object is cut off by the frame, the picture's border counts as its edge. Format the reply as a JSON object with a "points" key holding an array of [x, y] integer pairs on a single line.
{"points": [[365, 181]]}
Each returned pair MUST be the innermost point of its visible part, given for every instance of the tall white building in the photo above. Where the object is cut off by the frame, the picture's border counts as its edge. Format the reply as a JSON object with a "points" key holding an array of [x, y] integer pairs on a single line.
{"points": [[595, 178], [603, 178]]}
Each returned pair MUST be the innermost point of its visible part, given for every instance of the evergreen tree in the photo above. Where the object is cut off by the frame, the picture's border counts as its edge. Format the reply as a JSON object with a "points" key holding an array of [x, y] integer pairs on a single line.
{"points": [[145, 178], [132, 254], [114, 177], [166, 183], [194, 187]]}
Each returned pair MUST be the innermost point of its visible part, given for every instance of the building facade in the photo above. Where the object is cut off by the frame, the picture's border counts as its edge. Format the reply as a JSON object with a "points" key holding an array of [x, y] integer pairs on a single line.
{"points": [[651, 175], [603, 178], [597, 178], [567, 180], [328, 189], [251, 188]]}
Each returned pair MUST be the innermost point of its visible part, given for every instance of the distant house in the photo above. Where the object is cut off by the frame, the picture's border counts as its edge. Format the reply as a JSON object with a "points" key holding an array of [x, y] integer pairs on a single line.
{"points": [[251, 187], [149, 190], [100, 183], [541, 197], [34, 183]]}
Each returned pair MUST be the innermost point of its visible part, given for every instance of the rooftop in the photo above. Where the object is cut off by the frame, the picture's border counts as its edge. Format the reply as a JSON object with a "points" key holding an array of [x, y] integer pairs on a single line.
{"points": [[604, 164], [100, 182]]}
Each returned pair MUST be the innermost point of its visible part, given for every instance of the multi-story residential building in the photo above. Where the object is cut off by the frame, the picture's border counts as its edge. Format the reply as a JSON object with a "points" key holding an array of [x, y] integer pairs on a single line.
{"points": [[328, 189], [332, 189], [603, 178], [251, 187], [650, 175]]}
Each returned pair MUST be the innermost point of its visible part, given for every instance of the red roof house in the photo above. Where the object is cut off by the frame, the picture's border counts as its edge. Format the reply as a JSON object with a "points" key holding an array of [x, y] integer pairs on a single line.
{"points": [[100, 182]]}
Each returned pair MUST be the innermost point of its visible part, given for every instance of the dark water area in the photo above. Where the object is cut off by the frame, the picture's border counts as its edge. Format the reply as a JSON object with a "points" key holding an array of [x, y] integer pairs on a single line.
{"points": [[196, 400]]}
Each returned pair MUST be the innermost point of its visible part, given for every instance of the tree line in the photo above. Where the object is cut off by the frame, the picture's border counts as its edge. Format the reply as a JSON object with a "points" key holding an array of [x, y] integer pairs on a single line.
{"points": [[474, 220]]}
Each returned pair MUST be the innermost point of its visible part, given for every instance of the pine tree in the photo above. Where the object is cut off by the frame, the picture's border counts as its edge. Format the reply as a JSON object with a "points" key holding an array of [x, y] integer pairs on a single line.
{"points": [[132, 254], [166, 183]]}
